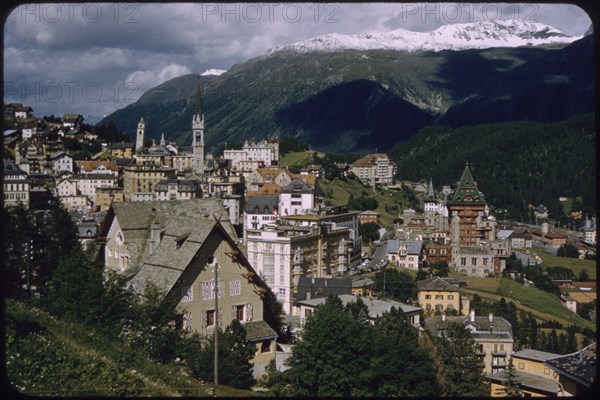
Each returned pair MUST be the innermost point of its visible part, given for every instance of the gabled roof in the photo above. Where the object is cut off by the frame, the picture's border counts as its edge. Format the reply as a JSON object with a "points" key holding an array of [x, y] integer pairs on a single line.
{"points": [[297, 186], [90, 165], [467, 191], [436, 284], [412, 246], [370, 160]]}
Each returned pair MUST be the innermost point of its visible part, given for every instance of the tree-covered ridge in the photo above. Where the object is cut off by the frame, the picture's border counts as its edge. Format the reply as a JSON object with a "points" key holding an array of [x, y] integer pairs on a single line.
{"points": [[515, 163]]}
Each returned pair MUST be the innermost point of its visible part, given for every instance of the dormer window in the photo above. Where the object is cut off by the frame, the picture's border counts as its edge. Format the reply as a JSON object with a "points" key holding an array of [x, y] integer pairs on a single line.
{"points": [[119, 238]]}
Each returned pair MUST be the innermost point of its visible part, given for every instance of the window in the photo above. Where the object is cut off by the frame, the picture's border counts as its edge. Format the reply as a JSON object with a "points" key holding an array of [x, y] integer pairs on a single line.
{"points": [[208, 289], [428, 306], [546, 371], [522, 366], [187, 293], [450, 297], [463, 261], [473, 261], [187, 320], [439, 297], [239, 312], [235, 288], [427, 297], [265, 347], [281, 295], [210, 318]]}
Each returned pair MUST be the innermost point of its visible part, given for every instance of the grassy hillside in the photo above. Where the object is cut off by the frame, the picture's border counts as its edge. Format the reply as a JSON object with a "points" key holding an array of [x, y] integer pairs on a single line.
{"points": [[574, 264], [49, 357], [537, 302], [390, 204]]}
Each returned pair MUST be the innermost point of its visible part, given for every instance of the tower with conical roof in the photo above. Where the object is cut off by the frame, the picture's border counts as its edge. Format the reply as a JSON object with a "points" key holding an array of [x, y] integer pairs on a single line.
{"points": [[198, 134], [466, 208], [139, 138]]}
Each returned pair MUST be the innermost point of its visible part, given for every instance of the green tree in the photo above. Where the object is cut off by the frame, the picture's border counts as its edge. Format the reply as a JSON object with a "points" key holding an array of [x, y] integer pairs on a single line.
{"points": [[511, 386], [332, 353], [399, 285], [19, 228], [568, 250], [76, 287], [583, 276], [398, 367], [369, 231], [463, 367], [235, 368]]}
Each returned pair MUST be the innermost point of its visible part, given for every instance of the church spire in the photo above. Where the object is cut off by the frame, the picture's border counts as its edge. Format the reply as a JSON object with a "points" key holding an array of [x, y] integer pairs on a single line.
{"points": [[430, 194], [467, 189]]}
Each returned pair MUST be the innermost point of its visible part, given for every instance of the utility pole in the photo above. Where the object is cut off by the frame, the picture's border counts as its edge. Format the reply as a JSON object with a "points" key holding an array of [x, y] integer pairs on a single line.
{"points": [[216, 369]]}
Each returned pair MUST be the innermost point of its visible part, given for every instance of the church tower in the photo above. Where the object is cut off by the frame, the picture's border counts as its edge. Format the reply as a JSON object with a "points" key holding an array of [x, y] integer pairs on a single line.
{"points": [[162, 139], [139, 139], [198, 134]]}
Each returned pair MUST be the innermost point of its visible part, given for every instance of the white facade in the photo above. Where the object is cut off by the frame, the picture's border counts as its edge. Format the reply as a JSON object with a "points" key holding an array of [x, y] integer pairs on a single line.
{"points": [[62, 162], [28, 132], [270, 256], [296, 203]]}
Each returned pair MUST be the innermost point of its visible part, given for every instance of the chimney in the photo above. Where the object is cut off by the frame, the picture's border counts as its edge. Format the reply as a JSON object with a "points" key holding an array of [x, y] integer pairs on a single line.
{"points": [[472, 315], [308, 295], [491, 317]]}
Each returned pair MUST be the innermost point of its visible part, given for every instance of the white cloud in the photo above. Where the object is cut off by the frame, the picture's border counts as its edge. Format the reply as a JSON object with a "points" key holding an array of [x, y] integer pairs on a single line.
{"points": [[150, 43]]}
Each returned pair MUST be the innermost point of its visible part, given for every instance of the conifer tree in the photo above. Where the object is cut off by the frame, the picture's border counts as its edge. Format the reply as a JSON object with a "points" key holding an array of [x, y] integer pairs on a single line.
{"points": [[511, 386]]}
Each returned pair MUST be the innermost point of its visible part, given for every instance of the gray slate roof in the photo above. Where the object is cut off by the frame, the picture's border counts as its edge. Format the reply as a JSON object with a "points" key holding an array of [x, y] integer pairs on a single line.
{"points": [[579, 366], [412, 246], [175, 218], [527, 381], [436, 284], [261, 204], [480, 327], [376, 307], [297, 186], [257, 330], [535, 355]]}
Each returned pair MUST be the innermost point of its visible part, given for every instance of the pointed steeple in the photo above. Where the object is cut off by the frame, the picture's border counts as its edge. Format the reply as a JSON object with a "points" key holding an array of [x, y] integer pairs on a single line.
{"points": [[162, 139], [430, 193], [467, 190]]}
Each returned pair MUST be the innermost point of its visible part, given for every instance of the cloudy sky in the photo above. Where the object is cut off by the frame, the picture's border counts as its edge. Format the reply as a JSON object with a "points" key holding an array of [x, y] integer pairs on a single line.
{"points": [[94, 58]]}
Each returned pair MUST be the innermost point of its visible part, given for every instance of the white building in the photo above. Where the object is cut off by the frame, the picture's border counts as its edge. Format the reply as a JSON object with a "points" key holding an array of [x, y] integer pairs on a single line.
{"points": [[405, 253], [375, 169], [61, 162], [281, 254], [264, 151], [296, 198], [16, 185]]}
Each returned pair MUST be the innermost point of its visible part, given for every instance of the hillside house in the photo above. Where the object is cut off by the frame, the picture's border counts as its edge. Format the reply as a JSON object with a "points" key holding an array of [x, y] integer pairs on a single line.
{"points": [[493, 337], [376, 169], [439, 295], [176, 246]]}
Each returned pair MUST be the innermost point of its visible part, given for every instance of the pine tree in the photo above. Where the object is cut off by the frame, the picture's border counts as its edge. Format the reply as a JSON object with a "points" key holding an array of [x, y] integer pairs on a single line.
{"points": [[463, 365], [511, 386]]}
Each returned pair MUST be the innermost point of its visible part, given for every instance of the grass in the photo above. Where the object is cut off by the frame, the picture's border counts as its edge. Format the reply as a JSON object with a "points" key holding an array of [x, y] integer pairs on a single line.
{"points": [[574, 264], [79, 346], [341, 190], [295, 158], [539, 303]]}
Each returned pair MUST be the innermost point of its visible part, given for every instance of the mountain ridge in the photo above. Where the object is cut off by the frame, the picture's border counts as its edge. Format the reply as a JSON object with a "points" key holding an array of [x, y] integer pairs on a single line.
{"points": [[475, 35]]}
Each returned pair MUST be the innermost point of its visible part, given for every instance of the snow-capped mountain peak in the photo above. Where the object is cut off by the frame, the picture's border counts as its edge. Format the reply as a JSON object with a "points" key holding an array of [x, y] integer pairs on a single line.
{"points": [[474, 35], [213, 71]]}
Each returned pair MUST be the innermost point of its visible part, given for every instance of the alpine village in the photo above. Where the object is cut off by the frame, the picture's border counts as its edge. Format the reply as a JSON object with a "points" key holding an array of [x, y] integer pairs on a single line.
{"points": [[459, 261]]}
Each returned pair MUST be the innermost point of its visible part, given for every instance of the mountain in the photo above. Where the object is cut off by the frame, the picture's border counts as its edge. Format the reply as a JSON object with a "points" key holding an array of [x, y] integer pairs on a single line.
{"points": [[515, 163], [551, 88], [351, 100], [475, 35]]}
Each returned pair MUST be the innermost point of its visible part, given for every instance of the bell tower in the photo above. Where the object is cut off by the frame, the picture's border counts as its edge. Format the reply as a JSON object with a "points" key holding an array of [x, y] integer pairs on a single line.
{"points": [[139, 139]]}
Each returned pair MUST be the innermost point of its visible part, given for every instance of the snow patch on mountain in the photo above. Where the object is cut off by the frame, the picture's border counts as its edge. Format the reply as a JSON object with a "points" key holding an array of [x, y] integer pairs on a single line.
{"points": [[213, 71], [474, 35]]}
